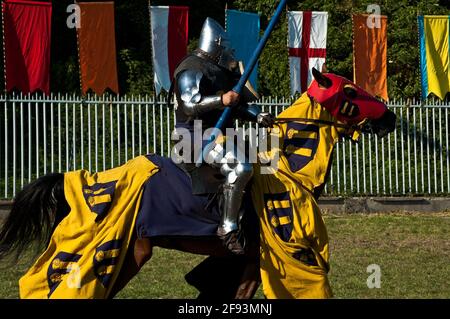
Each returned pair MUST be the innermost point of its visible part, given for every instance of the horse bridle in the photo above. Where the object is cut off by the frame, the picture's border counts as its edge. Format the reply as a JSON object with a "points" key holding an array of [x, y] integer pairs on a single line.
{"points": [[357, 127]]}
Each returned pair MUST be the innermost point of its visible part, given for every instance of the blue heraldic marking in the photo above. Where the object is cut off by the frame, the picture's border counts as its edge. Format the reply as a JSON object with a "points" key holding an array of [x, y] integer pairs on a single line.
{"points": [[279, 208], [300, 144], [60, 266], [105, 258], [99, 197]]}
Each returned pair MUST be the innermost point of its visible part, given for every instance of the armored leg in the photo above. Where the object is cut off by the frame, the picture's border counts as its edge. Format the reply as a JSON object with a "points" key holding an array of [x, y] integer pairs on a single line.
{"points": [[237, 177], [238, 173]]}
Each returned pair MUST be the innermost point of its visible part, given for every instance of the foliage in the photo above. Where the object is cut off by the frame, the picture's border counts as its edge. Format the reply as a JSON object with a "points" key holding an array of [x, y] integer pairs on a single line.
{"points": [[139, 77], [134, 42], [403, 52]]}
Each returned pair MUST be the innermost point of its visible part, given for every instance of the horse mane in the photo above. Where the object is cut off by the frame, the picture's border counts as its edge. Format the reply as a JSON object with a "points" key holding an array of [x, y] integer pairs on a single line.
{"points": [[32, 217]]}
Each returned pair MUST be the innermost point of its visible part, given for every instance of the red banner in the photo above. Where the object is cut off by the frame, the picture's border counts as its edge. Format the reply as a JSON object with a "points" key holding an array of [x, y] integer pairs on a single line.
{"points": [[97, 47], [27, 32]]}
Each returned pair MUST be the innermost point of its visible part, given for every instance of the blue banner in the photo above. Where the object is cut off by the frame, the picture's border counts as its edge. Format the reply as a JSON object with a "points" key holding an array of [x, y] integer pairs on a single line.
{"points": [[243, 30]]}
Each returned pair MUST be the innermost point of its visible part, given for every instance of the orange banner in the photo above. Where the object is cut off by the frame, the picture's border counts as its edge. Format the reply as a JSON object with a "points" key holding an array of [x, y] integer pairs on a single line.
{"points": [[97, 47], [370, 53]]}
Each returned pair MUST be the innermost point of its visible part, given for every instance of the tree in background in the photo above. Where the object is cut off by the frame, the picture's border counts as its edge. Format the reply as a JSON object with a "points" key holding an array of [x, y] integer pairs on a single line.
{"points": [[134, 45], [403, 51]]}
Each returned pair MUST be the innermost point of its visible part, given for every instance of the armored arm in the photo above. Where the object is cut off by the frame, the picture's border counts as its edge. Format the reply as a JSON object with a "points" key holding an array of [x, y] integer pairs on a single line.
{"points": [[192, 101]]}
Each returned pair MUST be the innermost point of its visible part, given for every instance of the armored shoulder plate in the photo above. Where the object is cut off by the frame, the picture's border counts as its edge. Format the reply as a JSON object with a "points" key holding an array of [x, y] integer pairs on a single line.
{"points": [[189, 86], [193, 103]]}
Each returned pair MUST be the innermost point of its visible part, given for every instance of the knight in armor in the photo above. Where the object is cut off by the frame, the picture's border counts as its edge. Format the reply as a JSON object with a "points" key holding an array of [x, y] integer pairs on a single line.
{"points": [[202, 84]]}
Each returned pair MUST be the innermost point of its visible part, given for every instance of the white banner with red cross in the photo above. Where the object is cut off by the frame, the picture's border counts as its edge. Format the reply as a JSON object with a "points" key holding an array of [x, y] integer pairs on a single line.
{"points": [[307, 42]]}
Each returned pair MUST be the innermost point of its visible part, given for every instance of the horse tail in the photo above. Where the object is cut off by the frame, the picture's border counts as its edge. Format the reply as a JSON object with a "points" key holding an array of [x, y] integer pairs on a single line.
{"points": [[33, 215]]}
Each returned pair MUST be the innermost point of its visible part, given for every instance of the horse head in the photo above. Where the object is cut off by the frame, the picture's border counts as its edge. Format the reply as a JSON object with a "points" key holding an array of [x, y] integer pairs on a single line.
{"points": [[351, 105], [333, 107]]}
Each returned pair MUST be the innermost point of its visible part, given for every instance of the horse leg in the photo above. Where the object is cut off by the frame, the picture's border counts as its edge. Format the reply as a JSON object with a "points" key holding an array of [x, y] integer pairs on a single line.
{"points": [[139, 252], [250, 281], [251, 276]]}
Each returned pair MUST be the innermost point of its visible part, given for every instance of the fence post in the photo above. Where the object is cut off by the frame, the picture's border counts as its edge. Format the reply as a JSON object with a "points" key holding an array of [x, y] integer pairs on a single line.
{"points": [[352, 172]]}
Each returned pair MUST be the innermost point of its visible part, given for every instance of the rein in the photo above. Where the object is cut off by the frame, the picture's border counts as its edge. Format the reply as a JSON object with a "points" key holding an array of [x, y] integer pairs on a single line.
{"points": [[301, 119]]}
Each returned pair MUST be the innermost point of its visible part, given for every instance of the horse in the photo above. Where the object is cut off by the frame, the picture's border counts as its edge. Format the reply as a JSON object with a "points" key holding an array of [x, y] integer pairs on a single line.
{"points": [[307, 131]]}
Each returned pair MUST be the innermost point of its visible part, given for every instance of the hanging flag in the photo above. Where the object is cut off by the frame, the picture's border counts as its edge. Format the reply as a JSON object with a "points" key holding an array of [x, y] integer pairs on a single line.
{"points": [[307, 42], [97, 47], [370, 54], [243, 30], [27, 34], [434, 38], [169, 27]]}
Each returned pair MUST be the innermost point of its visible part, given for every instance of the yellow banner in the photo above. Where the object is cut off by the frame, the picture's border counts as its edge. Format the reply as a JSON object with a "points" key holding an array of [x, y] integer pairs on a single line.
{"points": [[434, 47]]}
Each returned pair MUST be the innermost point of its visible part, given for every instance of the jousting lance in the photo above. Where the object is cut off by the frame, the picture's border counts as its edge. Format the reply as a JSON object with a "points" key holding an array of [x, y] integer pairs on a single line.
{"points": [[240, 85]]}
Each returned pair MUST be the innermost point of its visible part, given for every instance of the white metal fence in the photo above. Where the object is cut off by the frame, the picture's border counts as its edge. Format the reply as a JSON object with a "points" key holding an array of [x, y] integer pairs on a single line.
{"points": [[61, 133]]}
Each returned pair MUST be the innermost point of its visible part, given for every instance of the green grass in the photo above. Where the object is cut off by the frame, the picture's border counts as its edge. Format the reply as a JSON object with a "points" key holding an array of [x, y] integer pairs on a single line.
{"points": [[10, 274], [412, 250], [163, 276]]}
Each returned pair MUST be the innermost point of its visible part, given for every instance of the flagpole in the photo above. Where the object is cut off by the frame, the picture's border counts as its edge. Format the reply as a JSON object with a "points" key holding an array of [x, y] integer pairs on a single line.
{"points": [[4, 50], [240, 85], [226, 9]]}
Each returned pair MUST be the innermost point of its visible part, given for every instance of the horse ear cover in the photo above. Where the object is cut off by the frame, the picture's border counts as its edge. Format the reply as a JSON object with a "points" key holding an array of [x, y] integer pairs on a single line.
{"points": [[321, 79], [329, 91]]}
